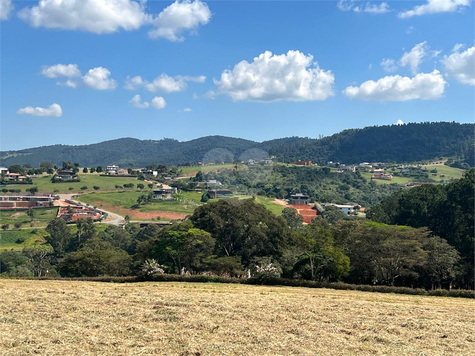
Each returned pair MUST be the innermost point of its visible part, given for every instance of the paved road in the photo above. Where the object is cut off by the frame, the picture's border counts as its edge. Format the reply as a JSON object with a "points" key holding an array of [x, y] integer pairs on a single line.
{"points": [[113, 219]]}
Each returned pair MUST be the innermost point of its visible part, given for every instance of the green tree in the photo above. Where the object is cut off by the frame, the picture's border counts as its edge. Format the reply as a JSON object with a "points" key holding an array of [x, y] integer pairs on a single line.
{"points": [[31, 214], [59, 236], [332, 214], [99, 169], [442, 261], [85, 231], [39, 259], [294, 220], [16, 168], [84, 170]]}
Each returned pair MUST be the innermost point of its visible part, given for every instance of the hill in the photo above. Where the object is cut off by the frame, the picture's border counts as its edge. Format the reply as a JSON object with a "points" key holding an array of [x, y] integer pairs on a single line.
{"points": [[405, 143]]}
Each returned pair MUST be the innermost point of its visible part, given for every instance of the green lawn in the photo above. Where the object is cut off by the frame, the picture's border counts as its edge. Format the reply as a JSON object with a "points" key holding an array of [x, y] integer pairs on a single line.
{"points": [[42, 217], [398, 180], [204, 169], [90, 180], [448, 172], [17, 239]]}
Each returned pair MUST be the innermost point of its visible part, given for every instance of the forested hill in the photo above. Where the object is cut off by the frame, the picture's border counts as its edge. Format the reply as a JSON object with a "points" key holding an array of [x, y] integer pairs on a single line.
{"points": [[405, 143]]}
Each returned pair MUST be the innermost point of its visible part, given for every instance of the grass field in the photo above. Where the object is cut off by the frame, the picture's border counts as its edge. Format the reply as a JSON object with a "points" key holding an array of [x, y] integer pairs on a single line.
{"points": [[17, 239], [91, 318], [45, 185], [42, 217], [448, 172], [398, 180]]}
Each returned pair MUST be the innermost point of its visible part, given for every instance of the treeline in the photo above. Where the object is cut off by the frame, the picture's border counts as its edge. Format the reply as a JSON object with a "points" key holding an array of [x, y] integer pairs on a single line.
{"points": [[447, 210], [240, 238], [404, 143]]}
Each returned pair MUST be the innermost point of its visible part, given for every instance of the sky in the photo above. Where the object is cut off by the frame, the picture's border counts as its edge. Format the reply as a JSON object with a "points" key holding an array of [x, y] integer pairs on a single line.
{"points": [[85, 71]]}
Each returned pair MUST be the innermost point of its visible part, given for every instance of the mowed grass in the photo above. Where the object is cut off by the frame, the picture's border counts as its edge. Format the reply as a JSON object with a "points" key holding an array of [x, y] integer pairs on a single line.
{"points": [[91, 318], [41, 218], [89, 180], [448, 172], [397, 180]]}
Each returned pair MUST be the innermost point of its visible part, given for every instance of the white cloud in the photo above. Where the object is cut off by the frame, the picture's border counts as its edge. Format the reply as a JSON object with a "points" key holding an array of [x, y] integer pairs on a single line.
{"points": [[461, 65], [389, 65], [348, 5], [179, 17], [158, 103], [68, 83], [435, 6], [54, 110], [162, 83], [425, 86], [457, 47], [414, 57], [399, 122], [410, 30], [373, 8], [187, 110], [6, 7], [136, 101], [292, 76], [98, 78], [61, 70], [97, 16]]}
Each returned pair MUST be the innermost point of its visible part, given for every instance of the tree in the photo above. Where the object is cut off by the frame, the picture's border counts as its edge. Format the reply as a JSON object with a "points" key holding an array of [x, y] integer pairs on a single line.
{"points": [[16, 168], [47, 165], [150, 185], [85, 231], [31, 214], [294, 220], [33, 190], [204, 197], [441, 264], [99, 169], [39, 259], [84, 170], [140, 186], [92, 170], [332, 214], [96, 258], [59, 236]]}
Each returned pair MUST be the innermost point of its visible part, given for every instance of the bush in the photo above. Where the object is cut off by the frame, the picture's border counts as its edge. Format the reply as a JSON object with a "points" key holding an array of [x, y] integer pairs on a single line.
{"points": [[84, 187], [17, 225], [96, 187], [70, 188], [20, 240], [5, 226]]}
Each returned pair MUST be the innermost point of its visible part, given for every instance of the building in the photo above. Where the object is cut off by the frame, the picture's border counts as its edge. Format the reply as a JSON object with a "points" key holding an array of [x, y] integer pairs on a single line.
{"points": [[307, 212], [164, 193], [4, 170], [65, 175], [213, 183], [148, 172], [381, 176], [303, 163], [220, 194], [346, 209], [25, 201], [73, 213], [299, 199], [112, 169], [345, 168], [122, 172]]}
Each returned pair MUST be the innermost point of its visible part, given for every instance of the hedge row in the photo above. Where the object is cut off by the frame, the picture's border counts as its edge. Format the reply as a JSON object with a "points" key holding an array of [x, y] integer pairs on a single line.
{"points": [[272, 281]]}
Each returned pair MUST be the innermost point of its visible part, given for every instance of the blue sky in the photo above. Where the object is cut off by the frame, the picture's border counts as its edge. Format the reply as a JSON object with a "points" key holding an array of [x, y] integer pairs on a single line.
{"points": [[186, 59]]}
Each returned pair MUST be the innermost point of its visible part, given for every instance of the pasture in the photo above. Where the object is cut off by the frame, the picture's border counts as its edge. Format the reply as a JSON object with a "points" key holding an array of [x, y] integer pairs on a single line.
{"points": [[42, 216], [92, 318]]}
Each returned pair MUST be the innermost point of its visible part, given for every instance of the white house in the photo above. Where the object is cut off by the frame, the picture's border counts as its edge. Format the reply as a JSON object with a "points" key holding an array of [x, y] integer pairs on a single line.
{"points": [[4, 170], [164, 193], [344, 208], [112, 169]]}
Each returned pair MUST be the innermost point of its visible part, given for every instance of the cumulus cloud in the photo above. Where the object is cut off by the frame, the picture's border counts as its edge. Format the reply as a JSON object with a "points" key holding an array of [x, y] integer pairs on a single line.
{"points": [[349, 5], [6, 7], [54, 110], [178, 18], [425, 86], [97, 16], [399, 122], [98, 78], [389, 65], [435, 6], [187, 110], [68, 83], [136, 101], [158, 103], [162, 83], [61, 70], [414, 57], [461, 65], [292, 76]]}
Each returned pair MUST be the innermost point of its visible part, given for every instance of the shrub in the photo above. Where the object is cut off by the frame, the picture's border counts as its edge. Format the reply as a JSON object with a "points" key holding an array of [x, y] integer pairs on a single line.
{"points": [[20, 240], [96, 187], [17, 225], [84, 187], [70, 188], [5, 226]]}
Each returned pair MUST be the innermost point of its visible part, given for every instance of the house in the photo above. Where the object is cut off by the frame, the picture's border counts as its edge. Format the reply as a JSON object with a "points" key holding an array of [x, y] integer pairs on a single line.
{"points": [[213, 183], [251, 162], [303, 163], [378, 171], [164, 193], [365, 165], [4, 170], [122, 172], [65, 175], [381, 176], [25, 201], [112, 169], [346, 209], [149, 172], [219, 194], [345, 168], [299, 199]]}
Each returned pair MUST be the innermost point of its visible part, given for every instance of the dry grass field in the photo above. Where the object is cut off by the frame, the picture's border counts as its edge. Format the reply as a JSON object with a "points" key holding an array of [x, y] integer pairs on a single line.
{"points": [[91, 318]]}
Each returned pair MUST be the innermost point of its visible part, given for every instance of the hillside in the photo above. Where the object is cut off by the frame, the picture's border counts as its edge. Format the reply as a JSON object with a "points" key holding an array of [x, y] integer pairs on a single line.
{"points": [[406, 143]]}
